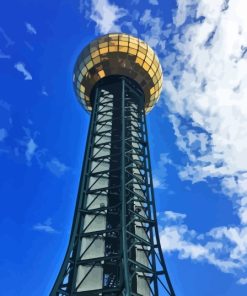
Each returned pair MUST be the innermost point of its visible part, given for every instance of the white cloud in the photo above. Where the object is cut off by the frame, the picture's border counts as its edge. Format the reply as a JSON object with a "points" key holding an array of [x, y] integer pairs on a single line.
{"points": [[45, 227], [160, 172], [56, 167], [31, 148], [4, 55], [206, 88], [30, 29], [4, 105], [21, 68], [106, 16], [44, 92], [170, 215], [3, 134], [242, 281], [223, 247], [154, 2], [154, 33], [8, 41]]}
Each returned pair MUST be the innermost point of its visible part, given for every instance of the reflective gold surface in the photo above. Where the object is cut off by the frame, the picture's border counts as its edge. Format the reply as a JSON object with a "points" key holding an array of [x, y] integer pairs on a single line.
{"points": [[118, 54]]}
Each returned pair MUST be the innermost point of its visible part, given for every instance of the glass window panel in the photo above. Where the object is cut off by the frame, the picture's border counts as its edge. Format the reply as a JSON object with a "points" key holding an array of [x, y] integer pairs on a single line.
{"points": [[101, 73], [133, 45], [141, 55], [123, 43], [113, 48], [123, 48], [83, 71], [154, 68], [113, 43], [151, 73], [104, 44], [143, 44], [82, 88], [146, 66], [87, 59], [132, 51], [155, 79], [96, 60], [103, 50], [139, 61], [81, 66], [150, 55], [80, 77], [133, 40], [93, 48], [95, 54], [89, 65], [151, 90], [113, 35], [143, 50], [148, 61], [123, 38]]}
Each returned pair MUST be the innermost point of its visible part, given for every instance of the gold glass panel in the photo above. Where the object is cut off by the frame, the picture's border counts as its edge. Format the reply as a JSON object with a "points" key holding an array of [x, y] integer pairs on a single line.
{"points": [[143, 50], [132, 51], [101, 73], [103, 50], [123, 48], [82, 88], [141, 55], [148, 61], [113, 48], [146, 66], [133, 40], [123, 43], [151, 90], [139, 61], [84, 71], [96, 60], [89, 65], [151, 73], [104, 44], [133, 45], [95, 54]]}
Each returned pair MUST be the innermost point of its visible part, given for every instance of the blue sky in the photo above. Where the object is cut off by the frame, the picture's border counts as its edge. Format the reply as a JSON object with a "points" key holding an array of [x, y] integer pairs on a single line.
{"points": [[197, 136]]}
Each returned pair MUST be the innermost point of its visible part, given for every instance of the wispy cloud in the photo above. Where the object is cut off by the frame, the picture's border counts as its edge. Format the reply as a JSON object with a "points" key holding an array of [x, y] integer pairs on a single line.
{"points": [[242, 281], [106, 15], [3, 134], [44, 92], [30, 29], [160, 172], [4, 105], [21, 68], [154, 33], [8, 41], [223, 247], [56, 167], [170, 215], [4, 55], [45, 227], [154, 2]]}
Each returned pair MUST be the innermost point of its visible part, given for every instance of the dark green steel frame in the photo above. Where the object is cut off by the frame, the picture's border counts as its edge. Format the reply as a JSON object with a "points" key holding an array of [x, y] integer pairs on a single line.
{"points": [[155, 274]]}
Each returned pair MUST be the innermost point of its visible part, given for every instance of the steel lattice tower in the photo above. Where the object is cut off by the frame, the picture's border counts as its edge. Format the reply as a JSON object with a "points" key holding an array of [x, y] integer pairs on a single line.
{"points": [[114, 247]]}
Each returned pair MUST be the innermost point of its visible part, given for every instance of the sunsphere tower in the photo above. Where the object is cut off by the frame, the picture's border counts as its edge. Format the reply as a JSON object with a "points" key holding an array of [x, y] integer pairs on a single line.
{"points": [[114, 247]]}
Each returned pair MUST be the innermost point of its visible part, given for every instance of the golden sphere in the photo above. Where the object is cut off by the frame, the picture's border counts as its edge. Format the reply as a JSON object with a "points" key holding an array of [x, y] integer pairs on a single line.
{"points": [[118, 54]]}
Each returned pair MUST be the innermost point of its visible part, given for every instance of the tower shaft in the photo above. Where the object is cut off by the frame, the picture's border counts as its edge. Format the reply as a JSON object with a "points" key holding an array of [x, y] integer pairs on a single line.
{"points": [[114, 247]]}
